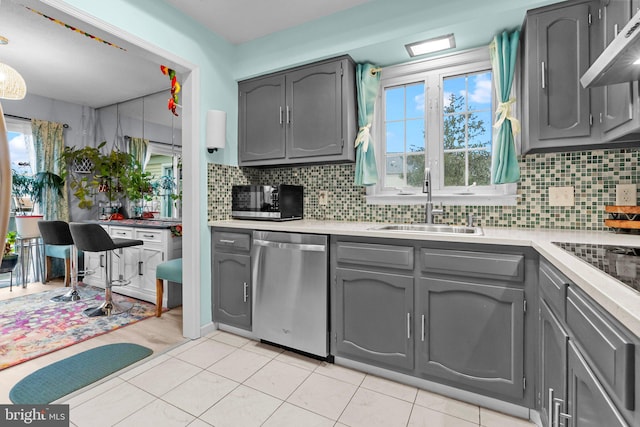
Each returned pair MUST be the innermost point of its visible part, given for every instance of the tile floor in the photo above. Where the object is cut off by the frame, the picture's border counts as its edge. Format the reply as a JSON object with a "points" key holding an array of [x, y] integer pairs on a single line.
{"points": [[226, 380]]}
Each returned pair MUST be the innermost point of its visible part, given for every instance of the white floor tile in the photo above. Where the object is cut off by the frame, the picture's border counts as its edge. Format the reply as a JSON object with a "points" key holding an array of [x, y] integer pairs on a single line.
{"points": [[157, 413], [89, 394], [164, 377], [199, 423], [298, 360], [243, 407], [231, 339], [390, 388], [206, 353], [239, 365], [289, 415], [323, 395], [200, 392], [127, 375], [425, 417], [340, 373], [443, 404], [489, 418], [278, 379], [262, 348], [110, 407], [371, 409], [184, 347]]}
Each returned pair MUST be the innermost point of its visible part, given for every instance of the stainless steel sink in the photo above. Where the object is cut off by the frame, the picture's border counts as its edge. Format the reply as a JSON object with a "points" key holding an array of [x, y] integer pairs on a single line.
{"points": [[430, 228]]}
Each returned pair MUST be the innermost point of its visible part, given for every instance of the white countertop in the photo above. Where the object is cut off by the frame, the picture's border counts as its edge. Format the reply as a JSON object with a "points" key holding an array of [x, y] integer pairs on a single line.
{"points": [[617, 298]]}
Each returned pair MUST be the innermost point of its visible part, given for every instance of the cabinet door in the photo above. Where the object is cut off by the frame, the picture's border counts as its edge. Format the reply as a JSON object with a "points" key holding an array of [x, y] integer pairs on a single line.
{"points": [[553, 362], [563, 109], [618, 98], [150, 257], [589, 405], [232, 289], [373, 318], [261, 116], [471, 335], [124, 266], [314, 111], [94, 262]]}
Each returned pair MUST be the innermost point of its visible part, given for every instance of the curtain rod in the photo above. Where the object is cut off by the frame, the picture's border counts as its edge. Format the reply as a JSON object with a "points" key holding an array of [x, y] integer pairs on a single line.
{"points": [[159, 142], [64, 125]]}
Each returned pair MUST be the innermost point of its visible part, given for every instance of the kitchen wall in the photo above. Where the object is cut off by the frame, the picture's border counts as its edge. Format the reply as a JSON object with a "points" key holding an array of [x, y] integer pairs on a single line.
{"points": [[594, 174]]}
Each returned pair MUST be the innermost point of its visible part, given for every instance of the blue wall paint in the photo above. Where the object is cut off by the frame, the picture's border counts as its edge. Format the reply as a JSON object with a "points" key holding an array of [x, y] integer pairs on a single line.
{"points": [[376, 31]]}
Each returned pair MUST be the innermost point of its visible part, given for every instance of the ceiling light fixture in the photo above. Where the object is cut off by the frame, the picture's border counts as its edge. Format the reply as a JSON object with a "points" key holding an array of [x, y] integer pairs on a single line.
{"points": [[431, 45], [12, 85]]}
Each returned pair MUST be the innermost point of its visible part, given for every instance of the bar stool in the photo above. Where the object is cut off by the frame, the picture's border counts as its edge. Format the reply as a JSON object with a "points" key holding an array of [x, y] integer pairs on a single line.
{"points": [[171, 271], [94, 238], [59, 244]]}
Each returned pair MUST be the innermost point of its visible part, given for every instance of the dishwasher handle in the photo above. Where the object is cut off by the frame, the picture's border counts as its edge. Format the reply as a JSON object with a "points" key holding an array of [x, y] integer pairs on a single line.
{"points": [[291, 246]]}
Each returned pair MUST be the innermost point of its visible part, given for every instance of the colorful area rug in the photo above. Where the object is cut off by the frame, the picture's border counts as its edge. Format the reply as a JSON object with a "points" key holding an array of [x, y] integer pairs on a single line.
{"points": [[32, 325]]}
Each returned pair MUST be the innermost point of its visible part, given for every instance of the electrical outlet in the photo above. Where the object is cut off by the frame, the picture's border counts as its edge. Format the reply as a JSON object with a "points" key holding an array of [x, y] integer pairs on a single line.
{"points": [[561, 196], [626, 195], [323, 197]]}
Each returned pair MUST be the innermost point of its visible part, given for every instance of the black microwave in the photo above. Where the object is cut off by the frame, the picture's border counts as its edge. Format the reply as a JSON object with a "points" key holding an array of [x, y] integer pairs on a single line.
{"points": [[267, 202]]}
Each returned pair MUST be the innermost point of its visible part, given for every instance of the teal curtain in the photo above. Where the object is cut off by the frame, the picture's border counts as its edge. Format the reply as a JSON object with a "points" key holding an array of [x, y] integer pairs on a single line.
{"points": [[503, 52], [367, 82], [48, 140], [138, 149]]}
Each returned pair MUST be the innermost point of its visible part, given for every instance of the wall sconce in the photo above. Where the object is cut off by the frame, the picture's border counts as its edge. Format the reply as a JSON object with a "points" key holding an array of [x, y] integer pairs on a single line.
{"points": [[216, 130]]}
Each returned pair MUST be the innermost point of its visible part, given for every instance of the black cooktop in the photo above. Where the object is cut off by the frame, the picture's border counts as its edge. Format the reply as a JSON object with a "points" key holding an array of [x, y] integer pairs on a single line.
{"points": [[620, 262]]}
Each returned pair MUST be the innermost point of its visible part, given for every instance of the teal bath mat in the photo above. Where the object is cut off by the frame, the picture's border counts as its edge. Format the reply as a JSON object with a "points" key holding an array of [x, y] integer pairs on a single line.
{"points": [[68, 375]]}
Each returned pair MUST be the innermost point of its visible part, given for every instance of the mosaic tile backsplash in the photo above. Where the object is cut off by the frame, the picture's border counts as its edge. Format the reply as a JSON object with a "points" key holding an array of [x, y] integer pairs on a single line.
{"points": [[593, 174]]}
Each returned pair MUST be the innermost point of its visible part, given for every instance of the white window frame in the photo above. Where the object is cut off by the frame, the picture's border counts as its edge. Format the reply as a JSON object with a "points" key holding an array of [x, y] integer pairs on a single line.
{"points": [[432, 72]]}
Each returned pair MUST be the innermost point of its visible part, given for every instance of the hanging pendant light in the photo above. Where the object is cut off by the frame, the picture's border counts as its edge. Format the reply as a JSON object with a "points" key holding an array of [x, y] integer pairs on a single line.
{"points": [[12, 85]]}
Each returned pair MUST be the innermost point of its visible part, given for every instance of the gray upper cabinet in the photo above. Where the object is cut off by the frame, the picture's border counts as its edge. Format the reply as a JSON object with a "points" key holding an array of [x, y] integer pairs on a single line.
{"points": [[619, 99], [303, 115], [556, 53], [261, 130]]}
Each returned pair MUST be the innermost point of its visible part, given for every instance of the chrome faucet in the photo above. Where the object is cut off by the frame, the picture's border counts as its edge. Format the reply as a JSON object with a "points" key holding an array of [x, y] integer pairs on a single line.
{"points": [[426, 188]]}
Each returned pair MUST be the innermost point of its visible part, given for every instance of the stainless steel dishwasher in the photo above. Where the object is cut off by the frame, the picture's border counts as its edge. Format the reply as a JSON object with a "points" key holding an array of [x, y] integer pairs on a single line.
{"points": [[290, 290]]}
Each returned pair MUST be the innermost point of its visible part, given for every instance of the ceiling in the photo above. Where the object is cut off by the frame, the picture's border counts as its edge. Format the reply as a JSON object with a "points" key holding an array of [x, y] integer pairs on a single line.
{"points": [[67, 65], [240, 21]]}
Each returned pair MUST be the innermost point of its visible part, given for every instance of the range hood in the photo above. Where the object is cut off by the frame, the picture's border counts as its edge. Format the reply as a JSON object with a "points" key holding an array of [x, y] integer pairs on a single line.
{"points": [[616, 63]]}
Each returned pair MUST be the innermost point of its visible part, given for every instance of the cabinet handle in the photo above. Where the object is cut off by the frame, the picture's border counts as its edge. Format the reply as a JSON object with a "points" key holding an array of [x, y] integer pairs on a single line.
{"points": [[408, 325], [140, 268], [422, 328], [556, 414], [544, 82], [120, 233], [281, 114], [150, 236], [231, 242], [245, 295], [615, 30], [550, 408], [288, 115], [101, 260]]}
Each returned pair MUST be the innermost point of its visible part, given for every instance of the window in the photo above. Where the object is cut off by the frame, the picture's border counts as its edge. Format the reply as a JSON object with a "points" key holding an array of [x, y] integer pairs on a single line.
{"points": [[21, 149], [438, 114]]}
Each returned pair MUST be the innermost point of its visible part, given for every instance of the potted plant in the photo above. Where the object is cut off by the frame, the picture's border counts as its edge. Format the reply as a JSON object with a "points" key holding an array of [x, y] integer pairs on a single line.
{"points": [[138, 188], [28, 193], [9, 256], [79, 166]]}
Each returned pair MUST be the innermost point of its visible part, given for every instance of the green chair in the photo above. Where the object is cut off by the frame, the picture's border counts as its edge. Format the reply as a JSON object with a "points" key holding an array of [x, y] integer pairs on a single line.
{"points": [[170, 271]]}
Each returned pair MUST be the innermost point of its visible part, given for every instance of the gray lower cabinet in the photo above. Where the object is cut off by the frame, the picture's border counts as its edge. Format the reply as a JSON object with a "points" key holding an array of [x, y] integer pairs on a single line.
{"points": [[374, 318], [586, 361], [302, 115], [231, 279], [471, 334]]}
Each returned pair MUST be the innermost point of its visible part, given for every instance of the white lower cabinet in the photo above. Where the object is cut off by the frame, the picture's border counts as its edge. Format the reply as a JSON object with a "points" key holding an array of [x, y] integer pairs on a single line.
{"points": [[138, 264]]}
